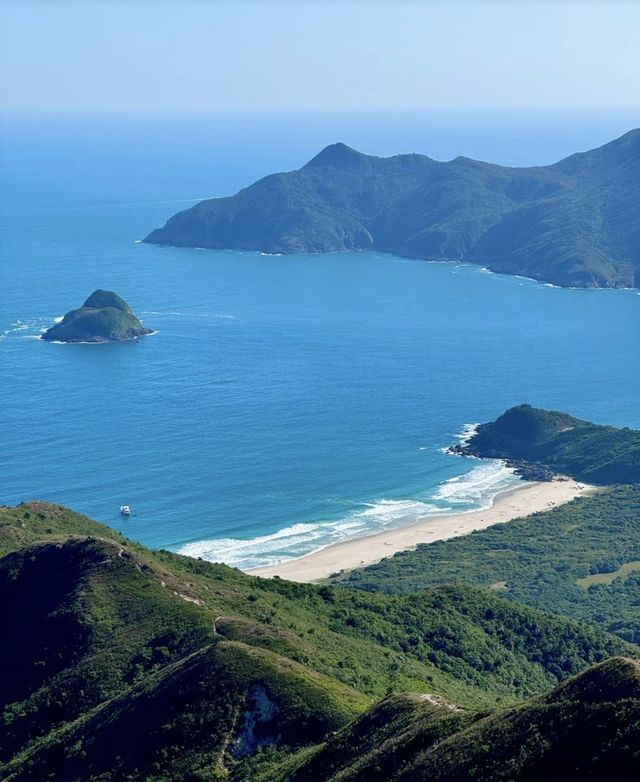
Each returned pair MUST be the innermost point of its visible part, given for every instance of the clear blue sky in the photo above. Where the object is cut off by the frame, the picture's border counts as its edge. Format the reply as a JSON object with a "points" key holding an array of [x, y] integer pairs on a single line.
{"points": [[168, 55]]}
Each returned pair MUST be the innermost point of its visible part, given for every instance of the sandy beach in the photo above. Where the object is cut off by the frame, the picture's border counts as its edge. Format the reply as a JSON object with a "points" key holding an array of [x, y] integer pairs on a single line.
{"points": [[359, 552]]}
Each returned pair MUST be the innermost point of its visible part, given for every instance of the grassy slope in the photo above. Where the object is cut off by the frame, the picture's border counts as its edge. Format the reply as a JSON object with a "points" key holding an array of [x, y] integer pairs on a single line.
{"points": [[540, 559], [588, 728], [91, 618]]}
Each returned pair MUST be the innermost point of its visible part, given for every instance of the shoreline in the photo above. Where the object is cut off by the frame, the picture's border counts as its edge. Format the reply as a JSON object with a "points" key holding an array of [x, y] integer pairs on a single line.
{"points": [[368, 549], [392, 253]]}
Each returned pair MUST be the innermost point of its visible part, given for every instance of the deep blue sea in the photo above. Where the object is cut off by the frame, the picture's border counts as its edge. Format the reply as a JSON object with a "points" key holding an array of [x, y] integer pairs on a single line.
{"points": [[284, 402]]}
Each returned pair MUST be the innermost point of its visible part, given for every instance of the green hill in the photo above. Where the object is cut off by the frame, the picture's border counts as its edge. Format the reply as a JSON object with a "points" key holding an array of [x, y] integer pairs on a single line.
{"points": [[572, 223], [531, 438], [588, 728], [119, 662], [104, 317]]}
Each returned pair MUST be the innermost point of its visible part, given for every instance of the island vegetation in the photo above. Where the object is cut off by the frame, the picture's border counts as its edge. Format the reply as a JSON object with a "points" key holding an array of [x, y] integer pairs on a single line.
{"points": [[104, 317]]}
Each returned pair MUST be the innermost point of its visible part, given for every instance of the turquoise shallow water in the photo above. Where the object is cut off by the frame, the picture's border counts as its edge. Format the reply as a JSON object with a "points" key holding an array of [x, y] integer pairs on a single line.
{"points": [[285, 402]]}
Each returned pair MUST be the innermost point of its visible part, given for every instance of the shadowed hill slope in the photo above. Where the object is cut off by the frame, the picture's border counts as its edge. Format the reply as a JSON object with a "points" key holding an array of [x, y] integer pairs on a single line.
{"points": [[194, 666], [588, 728]]}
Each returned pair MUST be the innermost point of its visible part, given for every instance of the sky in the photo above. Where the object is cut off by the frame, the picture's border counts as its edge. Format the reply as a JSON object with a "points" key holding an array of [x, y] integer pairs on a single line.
{"points": [[164, 55]]}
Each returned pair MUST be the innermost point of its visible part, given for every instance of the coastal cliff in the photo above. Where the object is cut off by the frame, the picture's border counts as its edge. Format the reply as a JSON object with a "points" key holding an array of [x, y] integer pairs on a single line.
{"points": [[573, 223]]}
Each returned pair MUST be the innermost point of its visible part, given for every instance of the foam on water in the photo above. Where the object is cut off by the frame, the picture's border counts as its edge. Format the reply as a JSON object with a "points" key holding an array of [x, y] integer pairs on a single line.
{"points": [[480, 486], [464, 493], [215, 315], [466, 433], [160, 312], [300, 539], [32, 327], [463, 437]]}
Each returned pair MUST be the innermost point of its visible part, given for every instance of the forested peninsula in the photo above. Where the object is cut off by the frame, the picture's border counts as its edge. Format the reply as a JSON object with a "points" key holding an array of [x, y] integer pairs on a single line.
{"points": [[574, 223]]}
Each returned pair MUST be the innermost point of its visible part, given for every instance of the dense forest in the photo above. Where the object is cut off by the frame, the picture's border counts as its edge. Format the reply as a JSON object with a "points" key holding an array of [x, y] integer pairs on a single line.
{"points": [[572, 223], [581, 559]]}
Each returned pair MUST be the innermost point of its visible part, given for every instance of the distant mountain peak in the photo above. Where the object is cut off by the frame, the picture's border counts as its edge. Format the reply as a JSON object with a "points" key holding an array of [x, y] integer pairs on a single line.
{"points": [[338, 154], [631, 137], [572, 223], [622, 151]]}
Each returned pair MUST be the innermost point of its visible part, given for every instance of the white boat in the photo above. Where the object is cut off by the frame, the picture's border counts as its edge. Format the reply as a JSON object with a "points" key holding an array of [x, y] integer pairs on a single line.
{"points": [[125, 510]]}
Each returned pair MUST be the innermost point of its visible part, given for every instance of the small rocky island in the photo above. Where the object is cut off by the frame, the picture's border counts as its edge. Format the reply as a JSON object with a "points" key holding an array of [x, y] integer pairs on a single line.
{"points": [[104, 317]]}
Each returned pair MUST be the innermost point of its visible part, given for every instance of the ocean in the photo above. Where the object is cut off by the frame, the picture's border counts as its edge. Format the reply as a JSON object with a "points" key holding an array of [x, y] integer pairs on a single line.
{"points": [[285, 402]]}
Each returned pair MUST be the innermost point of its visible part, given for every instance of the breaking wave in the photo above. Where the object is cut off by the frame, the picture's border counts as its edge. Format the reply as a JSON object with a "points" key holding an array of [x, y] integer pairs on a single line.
{"points": [[479, 487], [33, 327], [300, 539], [463, 493]]}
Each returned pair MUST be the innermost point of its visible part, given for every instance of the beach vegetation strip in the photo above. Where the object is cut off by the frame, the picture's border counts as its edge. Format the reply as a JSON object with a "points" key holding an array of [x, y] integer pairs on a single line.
{"points": [[581, 559]]}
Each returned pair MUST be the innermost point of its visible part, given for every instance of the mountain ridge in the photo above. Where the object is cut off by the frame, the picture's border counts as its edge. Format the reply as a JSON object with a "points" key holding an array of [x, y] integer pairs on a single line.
{"points": [[193, 667], [573, 223], [566, 734]]}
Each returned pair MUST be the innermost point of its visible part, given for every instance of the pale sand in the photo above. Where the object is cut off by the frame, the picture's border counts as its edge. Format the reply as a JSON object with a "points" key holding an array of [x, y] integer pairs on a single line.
{"points": [[359, 552]]}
